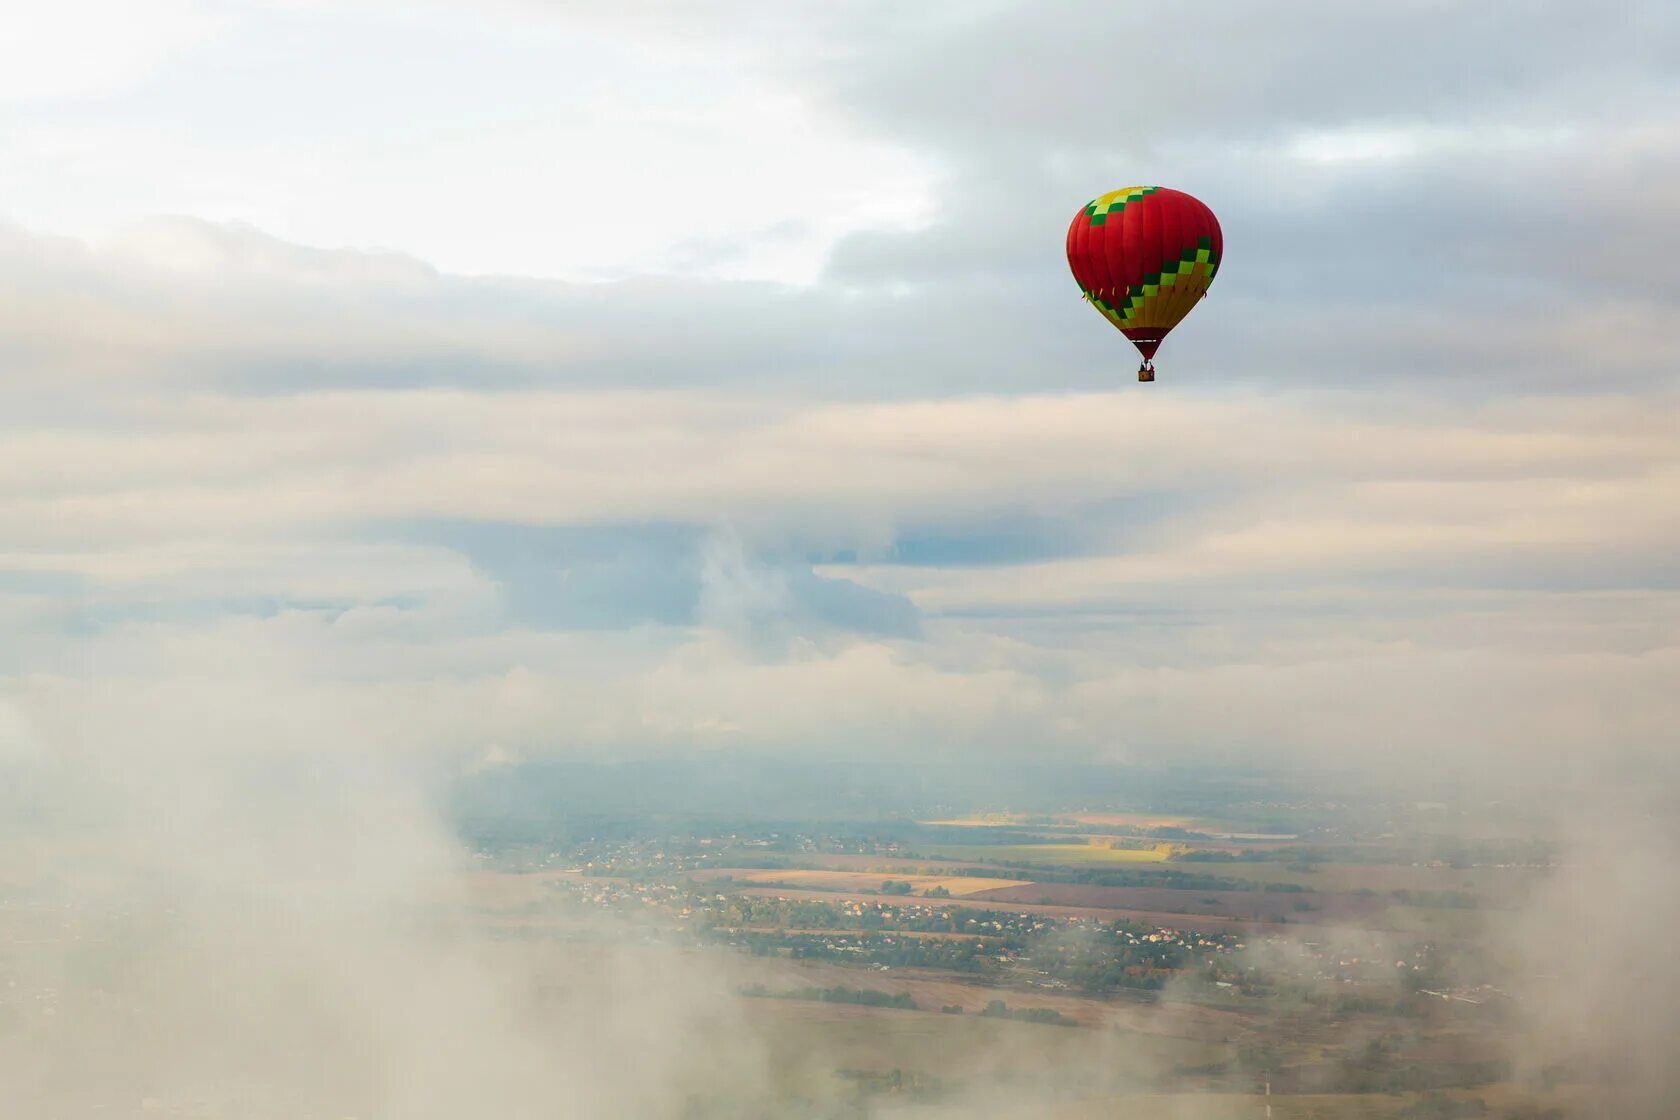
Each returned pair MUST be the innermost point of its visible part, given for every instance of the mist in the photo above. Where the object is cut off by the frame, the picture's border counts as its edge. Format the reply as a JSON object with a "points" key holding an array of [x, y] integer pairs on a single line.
{"points": [[241, 924], [225, 933], [1598, 994]]}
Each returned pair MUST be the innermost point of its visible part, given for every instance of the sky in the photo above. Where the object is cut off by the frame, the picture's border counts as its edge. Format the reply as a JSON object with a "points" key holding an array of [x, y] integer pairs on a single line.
{"points": [[500, 379]]}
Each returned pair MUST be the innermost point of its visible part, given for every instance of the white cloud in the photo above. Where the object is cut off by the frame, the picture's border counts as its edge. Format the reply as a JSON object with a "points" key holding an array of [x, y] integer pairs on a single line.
{"points": [[552, 148], [1391, 143], [89, 48]]}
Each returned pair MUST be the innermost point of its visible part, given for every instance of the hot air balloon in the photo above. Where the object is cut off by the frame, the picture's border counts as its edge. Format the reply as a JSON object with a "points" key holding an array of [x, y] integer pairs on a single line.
{"points": [[1144, 256]]}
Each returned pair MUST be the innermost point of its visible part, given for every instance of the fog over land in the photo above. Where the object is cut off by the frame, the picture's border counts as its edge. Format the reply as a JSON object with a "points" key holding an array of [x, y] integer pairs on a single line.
{"points": [[282, 938], [298, 933]]}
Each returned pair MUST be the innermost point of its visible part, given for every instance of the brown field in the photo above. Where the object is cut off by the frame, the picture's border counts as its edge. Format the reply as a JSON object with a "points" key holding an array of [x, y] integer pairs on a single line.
{"points": [[1329, 890], [810, 1040], [900, 866], [894, 866], [933, 989], [854, 881], [1093, 820], [1073, 852]]}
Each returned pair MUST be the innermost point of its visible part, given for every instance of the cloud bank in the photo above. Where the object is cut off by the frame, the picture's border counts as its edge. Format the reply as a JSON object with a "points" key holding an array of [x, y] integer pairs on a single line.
{"points": [[1408, 486]]}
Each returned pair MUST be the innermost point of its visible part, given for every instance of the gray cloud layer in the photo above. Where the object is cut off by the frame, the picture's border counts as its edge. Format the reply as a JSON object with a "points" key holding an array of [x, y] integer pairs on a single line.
{"points": [[1408, 481]]}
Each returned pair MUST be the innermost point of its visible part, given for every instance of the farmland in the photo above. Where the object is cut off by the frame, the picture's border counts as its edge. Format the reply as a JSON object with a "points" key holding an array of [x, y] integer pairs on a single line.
{"points": [[819, 879], [1257, 906], [1051, 855], [1385, 878], [1108, 958]]}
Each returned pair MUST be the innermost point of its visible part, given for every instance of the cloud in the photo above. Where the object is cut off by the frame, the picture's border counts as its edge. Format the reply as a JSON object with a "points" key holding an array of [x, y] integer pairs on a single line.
{"points": [[1038, 76], [597, 148], [1589, 1009], [1419, 212], [290, 928], [559, 560], [88, 48], [603, 576], [1422, 428]]}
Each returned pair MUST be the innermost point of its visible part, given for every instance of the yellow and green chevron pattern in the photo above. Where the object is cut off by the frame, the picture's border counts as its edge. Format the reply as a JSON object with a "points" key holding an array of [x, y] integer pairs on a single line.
{"points": [[1164, 297], [1099, 208], [1144, 256]]}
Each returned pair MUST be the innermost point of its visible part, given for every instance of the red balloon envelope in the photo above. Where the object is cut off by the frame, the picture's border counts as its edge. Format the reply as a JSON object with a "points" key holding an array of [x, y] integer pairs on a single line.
{"points": [[1144, 256]]}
